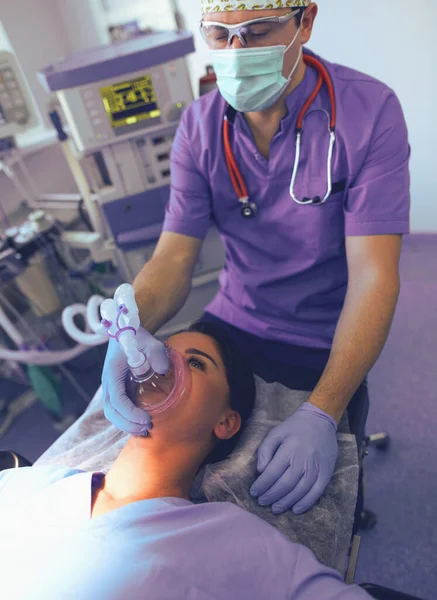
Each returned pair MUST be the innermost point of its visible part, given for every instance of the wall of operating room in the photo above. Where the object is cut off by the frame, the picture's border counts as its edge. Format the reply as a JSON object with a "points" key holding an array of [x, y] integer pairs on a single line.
{"points": [[389, 40]]}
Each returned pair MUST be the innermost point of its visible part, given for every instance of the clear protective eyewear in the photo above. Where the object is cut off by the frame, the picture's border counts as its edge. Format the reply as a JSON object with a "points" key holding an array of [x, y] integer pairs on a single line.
{"points": [[256, 32]]}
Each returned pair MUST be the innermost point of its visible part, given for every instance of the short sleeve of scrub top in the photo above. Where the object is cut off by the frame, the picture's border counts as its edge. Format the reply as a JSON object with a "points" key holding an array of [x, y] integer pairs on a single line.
{"points": [[378, 200], [189, 208]]}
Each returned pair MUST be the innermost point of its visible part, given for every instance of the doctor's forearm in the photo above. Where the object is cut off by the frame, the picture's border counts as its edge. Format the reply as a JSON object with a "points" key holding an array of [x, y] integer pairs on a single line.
{"points": [[161, 289], [360, 336]]}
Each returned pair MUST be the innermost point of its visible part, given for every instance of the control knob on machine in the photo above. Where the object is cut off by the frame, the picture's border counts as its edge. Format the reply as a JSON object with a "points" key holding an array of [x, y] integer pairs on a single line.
{"points": [[173, 112]]}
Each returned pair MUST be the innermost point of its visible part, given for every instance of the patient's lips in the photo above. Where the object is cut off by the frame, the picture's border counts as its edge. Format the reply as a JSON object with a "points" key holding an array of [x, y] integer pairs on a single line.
{"points": [[160, 392], [156, 387]]}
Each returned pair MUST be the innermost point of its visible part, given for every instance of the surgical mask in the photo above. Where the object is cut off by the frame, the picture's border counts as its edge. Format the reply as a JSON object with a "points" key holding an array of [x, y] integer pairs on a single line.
{"points": [[250, 79]]}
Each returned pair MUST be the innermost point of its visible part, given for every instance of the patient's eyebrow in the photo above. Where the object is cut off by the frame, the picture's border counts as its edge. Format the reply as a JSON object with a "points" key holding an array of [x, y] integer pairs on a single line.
{"points": [[200, 353]]}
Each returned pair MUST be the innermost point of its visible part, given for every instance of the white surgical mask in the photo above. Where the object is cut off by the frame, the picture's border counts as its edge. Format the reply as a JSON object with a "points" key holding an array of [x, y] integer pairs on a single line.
{"points": [[250, 79]]}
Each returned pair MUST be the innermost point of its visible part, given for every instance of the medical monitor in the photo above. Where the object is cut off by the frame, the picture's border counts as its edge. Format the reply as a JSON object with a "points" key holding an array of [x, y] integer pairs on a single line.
{"points": [[130, 102]]}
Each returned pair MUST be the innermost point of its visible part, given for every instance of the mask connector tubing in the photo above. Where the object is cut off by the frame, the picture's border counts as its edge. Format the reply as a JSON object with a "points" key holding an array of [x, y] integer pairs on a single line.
{"points": [[142, 370], [122, 310]]}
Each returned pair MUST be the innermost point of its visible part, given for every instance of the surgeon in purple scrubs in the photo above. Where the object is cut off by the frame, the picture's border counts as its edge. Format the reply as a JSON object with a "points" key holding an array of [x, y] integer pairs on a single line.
{"points": [[308, 290]]}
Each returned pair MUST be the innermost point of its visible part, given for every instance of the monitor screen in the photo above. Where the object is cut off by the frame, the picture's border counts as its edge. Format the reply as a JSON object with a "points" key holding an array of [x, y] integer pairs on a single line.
{"points": [[129, 102]]}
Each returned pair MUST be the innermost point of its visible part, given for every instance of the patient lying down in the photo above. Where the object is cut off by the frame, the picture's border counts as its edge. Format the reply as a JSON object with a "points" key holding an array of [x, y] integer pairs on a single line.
{"points": [[133, 534]]}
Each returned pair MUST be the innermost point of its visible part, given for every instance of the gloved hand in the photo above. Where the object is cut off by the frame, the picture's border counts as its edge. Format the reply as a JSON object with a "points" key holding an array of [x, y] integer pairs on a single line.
{"points": [[297, 460], [118, 409]]}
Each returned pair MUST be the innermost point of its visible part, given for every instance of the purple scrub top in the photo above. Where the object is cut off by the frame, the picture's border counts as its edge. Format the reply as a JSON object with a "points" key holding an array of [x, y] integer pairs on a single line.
{"points": [[286, 275]]}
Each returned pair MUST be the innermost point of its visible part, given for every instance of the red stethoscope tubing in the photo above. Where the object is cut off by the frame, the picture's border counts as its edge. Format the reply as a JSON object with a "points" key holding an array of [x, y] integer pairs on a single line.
{"points": [[323, 77], [235, 174]]}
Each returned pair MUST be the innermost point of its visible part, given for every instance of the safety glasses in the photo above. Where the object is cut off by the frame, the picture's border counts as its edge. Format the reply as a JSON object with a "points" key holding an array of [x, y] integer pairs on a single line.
{"points": [[257, 32]]}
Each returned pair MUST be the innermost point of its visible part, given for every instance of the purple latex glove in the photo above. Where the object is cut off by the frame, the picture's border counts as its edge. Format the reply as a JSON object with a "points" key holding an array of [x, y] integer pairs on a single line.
{"points": [[119, 410], [296, 461]]}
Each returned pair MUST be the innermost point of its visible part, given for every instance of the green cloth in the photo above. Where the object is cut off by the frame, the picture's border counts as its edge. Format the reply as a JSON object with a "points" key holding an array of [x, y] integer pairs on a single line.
{"points": [[47, 389]]}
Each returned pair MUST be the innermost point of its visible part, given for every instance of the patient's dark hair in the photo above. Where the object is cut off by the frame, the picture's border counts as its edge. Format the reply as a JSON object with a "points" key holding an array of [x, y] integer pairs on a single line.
{"points": [[240, 378]]}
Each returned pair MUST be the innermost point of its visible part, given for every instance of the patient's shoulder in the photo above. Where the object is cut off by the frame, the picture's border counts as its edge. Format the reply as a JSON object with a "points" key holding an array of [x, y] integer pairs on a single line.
{"points": [[262, 545], [255, 529], [28, 480], [273, 557], [238, 512]]}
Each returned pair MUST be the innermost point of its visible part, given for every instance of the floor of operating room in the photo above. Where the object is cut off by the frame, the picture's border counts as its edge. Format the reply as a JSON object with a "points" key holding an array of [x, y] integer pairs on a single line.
{"points": [[401, 550]]}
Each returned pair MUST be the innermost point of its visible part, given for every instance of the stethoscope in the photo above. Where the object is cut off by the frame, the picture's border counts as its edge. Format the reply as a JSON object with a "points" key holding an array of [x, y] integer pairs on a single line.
{"points": [[249, 208]]}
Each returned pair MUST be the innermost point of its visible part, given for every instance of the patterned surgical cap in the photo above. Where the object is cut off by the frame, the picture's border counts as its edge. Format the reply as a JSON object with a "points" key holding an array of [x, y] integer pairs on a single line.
{"points": [[213, 6]]}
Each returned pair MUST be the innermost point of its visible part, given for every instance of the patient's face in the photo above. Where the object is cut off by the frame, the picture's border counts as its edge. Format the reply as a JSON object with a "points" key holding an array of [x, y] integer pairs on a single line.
{"points": [[197, 415]]}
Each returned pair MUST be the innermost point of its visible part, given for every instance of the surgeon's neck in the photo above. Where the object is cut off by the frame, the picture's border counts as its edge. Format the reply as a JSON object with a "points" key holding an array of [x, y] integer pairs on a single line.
{"points": [[265, 123], [151, 468]]}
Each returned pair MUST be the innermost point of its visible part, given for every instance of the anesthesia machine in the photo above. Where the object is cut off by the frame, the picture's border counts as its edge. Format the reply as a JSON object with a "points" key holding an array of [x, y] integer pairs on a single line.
{"points": [[121, 104]]}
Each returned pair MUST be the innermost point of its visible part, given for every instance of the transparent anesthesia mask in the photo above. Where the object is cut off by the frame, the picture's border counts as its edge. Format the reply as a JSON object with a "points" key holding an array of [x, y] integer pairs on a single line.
{"points": [[150, 391], [156, 393]]}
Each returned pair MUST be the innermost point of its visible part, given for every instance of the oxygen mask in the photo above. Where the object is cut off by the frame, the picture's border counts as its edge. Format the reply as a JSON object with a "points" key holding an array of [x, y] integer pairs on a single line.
{"points": [[156, 393], [148, 390]]}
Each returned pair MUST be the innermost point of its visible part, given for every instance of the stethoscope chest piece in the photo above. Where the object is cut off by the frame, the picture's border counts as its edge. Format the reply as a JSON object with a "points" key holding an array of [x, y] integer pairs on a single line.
{"points": [[248, 210]]}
